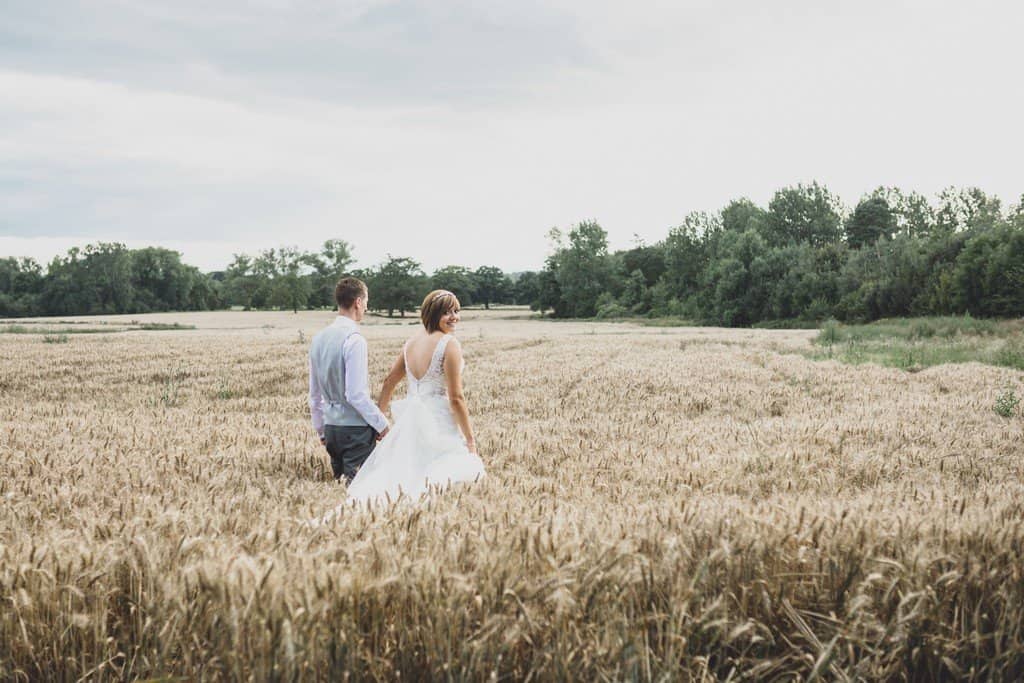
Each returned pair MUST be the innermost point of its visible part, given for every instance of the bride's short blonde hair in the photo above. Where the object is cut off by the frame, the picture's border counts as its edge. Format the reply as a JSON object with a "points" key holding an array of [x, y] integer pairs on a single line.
{"points": [[435, 306]]}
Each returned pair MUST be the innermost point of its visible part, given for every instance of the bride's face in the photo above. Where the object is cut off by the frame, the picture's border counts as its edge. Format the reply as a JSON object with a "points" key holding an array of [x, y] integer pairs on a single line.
{"points": [[449, 321]]}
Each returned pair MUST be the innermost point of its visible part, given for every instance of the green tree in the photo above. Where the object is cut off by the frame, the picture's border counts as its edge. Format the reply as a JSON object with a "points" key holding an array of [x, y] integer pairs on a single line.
{"points": [[549, 292], [635, 297], [938, 254], [398, 284], [796, 281], [584, 271], [1015, 217], [733, 300], [337, 254], [20, 276], [62, 292], [94, 280], [290, 288], [989, 274], [204, 294], [265, 269], [870, 220], [686, 253], [109, 266], [21, 281], [492, 286], [458, 280], [526, 289], [804, 213], [962, 209], [161, 281], [328, 266], [741, 215], [104, 278], [883, 281], [912, 214], [241, 282], [649, 260]]}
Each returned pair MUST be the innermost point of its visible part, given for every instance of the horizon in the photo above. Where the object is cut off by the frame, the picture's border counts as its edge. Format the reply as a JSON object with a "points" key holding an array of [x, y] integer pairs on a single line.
{"points": [[1007, 205]]}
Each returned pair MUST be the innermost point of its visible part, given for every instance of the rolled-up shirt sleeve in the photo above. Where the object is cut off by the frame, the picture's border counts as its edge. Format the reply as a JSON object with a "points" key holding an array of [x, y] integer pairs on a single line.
{"points": [[316, 400], [357, 382]]}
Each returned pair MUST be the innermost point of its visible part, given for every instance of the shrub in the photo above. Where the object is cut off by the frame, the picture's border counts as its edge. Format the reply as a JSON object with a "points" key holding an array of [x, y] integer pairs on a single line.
{"points": [[1006, 403], [611, 309], [921, 329], [1011, 354], [830, 333]]}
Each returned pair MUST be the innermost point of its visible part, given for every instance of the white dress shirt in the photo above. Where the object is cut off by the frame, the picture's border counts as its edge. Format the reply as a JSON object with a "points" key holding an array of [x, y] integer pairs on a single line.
{"points": [[357, 383]]}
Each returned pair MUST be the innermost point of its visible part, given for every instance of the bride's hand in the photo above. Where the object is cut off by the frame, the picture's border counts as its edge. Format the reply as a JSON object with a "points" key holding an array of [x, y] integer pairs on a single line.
{"points": [[471, 447]]}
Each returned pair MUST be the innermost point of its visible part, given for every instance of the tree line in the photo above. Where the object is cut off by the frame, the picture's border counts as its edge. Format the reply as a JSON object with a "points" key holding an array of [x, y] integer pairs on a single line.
{"points": [[104, 278], [288, 278], [109, 278], [804, 257]]}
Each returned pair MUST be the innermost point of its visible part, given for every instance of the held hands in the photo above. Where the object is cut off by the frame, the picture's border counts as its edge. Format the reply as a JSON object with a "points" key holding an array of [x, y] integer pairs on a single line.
{"points": [[383, 407]]}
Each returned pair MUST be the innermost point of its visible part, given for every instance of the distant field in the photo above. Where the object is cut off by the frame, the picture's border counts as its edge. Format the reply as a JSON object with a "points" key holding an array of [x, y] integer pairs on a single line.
{"points": [[662, 503], [277, 323]]}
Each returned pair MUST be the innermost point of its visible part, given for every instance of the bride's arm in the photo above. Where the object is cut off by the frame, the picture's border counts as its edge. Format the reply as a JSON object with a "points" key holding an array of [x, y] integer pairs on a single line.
{"points": [[395, 376], [453, 373]]}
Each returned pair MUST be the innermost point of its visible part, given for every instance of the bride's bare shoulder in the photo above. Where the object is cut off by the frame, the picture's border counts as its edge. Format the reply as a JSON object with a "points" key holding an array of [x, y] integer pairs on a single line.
{"points": [[453, 349]]}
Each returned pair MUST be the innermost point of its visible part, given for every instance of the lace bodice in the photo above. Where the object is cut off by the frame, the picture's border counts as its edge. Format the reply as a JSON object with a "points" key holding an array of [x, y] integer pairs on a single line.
{"points": [[433, 382]]}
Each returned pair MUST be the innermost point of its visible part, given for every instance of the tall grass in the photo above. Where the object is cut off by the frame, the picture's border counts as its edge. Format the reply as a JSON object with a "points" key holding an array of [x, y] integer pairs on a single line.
{"points": [[920, 329], [917, 343], [807, 520]]}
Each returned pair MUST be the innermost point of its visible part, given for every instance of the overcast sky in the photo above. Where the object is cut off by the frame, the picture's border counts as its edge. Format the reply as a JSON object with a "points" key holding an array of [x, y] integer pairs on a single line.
{"points": [[460, 132]]}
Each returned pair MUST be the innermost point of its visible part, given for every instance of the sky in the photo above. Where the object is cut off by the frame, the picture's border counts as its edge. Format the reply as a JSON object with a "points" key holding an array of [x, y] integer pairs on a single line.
{"points": [[460, 132]]}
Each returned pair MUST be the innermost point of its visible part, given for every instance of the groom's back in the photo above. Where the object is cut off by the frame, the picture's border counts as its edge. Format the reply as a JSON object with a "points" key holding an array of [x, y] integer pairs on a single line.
{"points": [[326, 354]]}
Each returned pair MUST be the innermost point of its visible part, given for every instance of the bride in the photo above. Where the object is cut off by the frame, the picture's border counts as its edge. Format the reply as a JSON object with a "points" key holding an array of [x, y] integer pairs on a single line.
{"points": [[424, 446]]}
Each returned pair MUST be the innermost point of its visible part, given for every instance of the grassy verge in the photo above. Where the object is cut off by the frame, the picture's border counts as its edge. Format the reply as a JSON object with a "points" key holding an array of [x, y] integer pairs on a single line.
{"points": [[70, 328], [664, 322], [917, 343], [36, 328], [152, 327], [789, 324]]}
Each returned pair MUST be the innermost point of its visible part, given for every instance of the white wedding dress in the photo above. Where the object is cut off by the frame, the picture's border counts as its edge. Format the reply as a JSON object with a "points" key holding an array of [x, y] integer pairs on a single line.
{"points": [[424, 447]]}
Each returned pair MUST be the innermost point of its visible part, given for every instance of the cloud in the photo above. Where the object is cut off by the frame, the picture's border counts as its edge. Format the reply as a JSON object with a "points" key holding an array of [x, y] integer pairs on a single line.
{"points": [[459, 132], [350, 52]]}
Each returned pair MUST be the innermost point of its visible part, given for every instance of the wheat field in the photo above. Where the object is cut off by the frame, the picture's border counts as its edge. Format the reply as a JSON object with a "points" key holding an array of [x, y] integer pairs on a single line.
{"points": [[661, 504]]}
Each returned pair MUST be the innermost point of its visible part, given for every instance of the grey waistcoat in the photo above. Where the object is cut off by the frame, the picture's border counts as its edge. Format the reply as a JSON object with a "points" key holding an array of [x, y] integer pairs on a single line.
{"points": [[326, 354]]}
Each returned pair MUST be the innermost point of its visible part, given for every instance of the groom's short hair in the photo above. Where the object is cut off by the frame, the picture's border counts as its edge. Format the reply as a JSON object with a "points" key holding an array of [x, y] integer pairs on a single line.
{"points": [[348, 290]]}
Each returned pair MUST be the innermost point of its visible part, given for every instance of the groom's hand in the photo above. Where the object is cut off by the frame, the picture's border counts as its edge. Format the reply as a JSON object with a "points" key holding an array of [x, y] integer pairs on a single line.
{"points": [[381, 435]]}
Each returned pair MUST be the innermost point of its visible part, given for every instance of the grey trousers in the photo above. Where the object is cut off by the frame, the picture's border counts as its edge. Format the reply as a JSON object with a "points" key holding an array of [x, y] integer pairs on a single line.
{"points": [[349, 447]]}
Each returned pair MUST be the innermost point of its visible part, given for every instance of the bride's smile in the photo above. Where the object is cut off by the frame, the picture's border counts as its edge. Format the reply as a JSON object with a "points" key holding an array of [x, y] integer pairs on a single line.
{"points": [[449, 321]]}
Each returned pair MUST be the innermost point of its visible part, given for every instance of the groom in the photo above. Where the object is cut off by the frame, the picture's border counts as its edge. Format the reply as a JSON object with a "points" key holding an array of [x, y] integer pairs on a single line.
{"points": [[346, 419]]}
